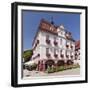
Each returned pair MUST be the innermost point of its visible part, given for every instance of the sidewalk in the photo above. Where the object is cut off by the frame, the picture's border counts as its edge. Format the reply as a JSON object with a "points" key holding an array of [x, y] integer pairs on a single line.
{"points": [[38, 73]]}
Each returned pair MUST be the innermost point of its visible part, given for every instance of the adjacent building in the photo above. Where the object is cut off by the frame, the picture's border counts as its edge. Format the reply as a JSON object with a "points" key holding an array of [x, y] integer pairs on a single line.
{"points": [[77, 50], [53, 45]]}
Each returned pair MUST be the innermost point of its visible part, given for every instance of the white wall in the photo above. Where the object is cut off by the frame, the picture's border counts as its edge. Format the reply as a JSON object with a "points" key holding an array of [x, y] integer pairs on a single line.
{"points": [[43, 45], [5, 46]]}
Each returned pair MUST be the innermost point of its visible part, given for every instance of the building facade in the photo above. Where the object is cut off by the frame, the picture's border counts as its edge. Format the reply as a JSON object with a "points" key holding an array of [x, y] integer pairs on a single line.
{"points": [[53, 45], [77, 50]]}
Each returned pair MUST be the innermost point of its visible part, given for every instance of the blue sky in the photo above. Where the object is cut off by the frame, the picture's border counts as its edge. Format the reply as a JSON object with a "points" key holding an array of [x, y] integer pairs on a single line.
{"points": [[31, 20]]}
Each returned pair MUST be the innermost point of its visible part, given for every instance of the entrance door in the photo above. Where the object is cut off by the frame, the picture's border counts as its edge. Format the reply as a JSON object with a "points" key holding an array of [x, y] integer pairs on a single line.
{"points": [[49, 63]]}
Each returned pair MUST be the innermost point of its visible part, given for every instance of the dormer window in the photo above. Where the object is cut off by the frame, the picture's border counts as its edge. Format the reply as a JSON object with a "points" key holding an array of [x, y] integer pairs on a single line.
{"points": [[51, 28], [67, 35], [61, 27]]}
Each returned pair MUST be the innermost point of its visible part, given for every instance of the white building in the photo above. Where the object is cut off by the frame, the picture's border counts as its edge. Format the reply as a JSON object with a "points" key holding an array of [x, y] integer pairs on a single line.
{"points": [[52, 45]]}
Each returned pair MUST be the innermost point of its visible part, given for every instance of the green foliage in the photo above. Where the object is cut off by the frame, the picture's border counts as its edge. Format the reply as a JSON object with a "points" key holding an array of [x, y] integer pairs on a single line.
{"points": [[76, 66], [34, 66], [68, 67], [51, 69], [61, 68], [31, 67], [27, 55]]}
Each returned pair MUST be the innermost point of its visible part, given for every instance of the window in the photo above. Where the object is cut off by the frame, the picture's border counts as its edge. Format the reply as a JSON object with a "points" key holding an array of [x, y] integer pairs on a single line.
{"points": [[71, 45], [51, 49], [67, 54], [60, 51], [61, 41], [47, 50], [61, 54], [47, 37], [61, 33], [72, 54], [67, 44], [54, 38], [54, 51], [51, 28], [55, 41]]}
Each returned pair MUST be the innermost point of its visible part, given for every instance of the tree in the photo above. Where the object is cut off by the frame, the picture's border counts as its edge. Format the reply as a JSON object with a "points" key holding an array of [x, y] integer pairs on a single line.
{"points": [[27, 55]]}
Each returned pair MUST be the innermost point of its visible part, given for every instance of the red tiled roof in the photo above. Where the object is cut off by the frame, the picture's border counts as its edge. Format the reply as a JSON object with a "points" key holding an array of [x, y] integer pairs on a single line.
{"points": [[77, 44], [45, 26], [48, 27]]}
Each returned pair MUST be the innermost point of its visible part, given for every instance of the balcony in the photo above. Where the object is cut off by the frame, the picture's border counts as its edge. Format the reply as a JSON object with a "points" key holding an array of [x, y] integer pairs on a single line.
{"points": [[71, 47], [47, 41], [67, 46], [38, 55], [71, 56], [76, 54], [62, 56], [67, 56], [55, 55], [55, 43], [48, 54]]}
